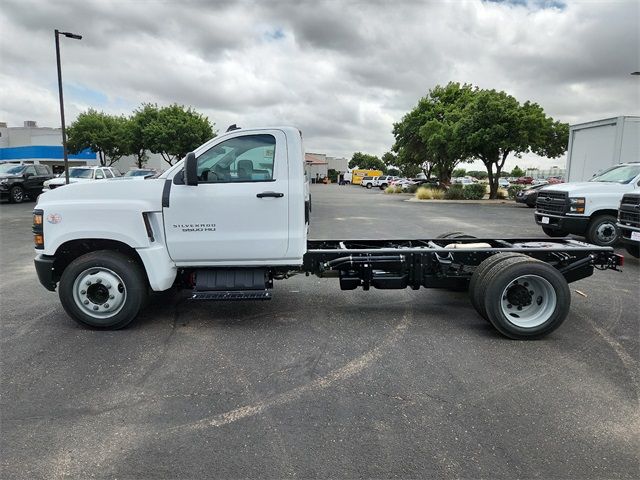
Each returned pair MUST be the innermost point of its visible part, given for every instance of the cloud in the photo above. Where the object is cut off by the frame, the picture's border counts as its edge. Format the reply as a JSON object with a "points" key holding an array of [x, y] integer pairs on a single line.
{"points": [[343, 72]]}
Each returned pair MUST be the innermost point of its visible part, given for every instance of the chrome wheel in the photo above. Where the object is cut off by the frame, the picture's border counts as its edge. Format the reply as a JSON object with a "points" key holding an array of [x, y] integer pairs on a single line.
{"points": [[99, 292], [528, 301], [17, 194], [606, 232]]}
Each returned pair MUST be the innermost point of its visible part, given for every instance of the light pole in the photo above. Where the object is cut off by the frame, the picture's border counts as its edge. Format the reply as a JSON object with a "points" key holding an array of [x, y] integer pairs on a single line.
{"points": [[64, 130]]}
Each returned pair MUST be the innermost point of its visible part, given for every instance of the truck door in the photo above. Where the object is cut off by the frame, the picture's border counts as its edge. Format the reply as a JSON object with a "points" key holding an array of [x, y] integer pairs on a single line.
{"points": [[238, 212]]}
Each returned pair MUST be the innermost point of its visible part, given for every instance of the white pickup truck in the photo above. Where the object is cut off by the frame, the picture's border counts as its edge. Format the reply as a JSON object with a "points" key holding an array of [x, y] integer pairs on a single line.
{"points": [[587, 208], [232, 217]]}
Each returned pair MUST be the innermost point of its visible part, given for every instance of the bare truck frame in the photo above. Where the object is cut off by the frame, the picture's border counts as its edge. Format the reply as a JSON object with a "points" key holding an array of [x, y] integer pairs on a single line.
{"points": [[519, 285]]}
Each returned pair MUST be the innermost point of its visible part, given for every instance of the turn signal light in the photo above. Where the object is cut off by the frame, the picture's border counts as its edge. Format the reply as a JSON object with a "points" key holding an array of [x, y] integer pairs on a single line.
{"points": [[38, 239]]}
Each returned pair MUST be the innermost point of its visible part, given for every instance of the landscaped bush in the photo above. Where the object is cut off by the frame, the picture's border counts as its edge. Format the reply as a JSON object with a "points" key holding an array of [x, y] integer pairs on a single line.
{"points": [[411, 188], [437, 193], [390, 189], [474, 191], [424, 193], [455, 192], [398, 189], [502, 193], [514, 189]]}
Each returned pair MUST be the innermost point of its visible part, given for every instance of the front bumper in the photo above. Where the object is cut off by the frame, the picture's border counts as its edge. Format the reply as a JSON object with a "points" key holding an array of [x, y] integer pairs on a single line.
{"points": [[626, 233], [575, 225], [45, 271]]}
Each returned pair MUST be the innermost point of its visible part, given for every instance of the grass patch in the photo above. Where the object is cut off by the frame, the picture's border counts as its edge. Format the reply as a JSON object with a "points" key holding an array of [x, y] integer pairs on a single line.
{"points": [[390, 190], [426, 193], [397, 189]]}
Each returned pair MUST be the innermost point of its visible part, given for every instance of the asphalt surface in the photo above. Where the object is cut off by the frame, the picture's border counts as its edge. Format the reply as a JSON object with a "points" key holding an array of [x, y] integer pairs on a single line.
{"points": [[319, 382]]}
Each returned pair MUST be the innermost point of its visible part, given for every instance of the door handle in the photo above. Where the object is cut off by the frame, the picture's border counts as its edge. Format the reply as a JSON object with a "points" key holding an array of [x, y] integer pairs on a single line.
{"points": [[270, 194]]}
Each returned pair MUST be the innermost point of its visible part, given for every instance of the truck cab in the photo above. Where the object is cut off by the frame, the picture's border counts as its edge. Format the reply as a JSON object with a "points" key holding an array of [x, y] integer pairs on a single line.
{"points": [[587, 208]]}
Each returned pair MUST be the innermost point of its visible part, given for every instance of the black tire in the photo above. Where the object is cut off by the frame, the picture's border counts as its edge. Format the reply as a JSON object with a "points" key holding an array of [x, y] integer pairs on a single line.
{"points": [[603, 231], [554, 233], [548, 307], [17, 194], [368, 185], [455, 235], [477, 285], [133, 283], [633, 250]]}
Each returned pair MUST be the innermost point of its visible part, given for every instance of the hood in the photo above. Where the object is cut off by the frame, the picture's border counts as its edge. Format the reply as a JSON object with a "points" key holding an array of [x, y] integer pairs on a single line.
{"points": [[8, 175], [62, 180], [586, 187], [101, 192]]}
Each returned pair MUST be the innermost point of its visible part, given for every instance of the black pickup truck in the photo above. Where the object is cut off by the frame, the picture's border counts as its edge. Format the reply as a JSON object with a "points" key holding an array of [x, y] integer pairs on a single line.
{"points": [[629, 223], [17, 182]]}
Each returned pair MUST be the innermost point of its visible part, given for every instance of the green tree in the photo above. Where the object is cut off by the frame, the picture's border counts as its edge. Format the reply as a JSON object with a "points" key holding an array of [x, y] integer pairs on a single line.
{"points": [[137, 139], [517, 172], [479, 174], [365, 161], [174, 131], [393, 171], [428, 136], [459, 172], [494, 125], [103, 133]]}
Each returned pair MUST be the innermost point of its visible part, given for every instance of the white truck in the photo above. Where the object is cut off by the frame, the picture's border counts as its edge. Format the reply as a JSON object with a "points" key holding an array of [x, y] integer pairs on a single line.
{"points": [[232, 217], [599, 145], [587, 208], [629, 223]]}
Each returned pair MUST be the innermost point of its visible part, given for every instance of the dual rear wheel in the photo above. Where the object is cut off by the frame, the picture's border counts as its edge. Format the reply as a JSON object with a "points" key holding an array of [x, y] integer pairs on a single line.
{"points": [[523, 298]]}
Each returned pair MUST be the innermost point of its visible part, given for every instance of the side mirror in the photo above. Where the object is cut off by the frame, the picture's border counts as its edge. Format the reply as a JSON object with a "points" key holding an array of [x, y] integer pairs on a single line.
{"points": [[191, 169]]}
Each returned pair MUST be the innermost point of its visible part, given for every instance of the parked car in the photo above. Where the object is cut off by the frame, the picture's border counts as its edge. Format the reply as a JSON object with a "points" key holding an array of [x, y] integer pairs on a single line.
{"points": [[368, 182], [540, 181], [555, 180], [18, 182], [529, 195], [81, 174], [524, 181], [141, 172], [384, 181], [503, 183], [462, 181]]}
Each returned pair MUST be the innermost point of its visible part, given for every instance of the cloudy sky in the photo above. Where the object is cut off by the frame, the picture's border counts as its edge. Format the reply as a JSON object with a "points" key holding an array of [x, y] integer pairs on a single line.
{"points": [[341, 71]]}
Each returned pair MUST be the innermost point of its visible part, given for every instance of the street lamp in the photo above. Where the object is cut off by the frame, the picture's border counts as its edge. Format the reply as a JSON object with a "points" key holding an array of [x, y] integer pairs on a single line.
{"points": [[64, 130]]}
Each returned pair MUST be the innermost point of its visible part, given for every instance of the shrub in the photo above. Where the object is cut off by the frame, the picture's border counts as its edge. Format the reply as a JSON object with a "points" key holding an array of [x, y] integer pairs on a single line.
{"points": [[514, 189], [437, 193], [502, 194], [397, 189], [411, 189], [455, 192], [424, 193], [474, 191], [390, 189]]}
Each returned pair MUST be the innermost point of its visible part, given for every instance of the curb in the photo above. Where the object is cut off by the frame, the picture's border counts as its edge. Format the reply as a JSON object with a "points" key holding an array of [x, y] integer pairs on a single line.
{"points": [[464, 202]]}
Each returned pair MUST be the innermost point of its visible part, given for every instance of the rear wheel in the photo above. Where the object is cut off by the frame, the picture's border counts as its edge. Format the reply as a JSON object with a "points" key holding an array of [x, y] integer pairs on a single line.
{"points": [[554, 233], [603, 231], [103, 289], [477, 285], [455, 235], [526, 299]]}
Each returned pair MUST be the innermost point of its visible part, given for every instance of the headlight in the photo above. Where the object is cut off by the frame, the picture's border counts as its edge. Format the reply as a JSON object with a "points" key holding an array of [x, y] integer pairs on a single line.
{"points": [[576, 205], [38, 234], [4, 180]]}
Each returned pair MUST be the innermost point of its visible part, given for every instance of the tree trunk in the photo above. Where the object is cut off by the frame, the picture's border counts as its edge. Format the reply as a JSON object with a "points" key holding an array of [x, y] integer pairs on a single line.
{"points": [[493, 180]]}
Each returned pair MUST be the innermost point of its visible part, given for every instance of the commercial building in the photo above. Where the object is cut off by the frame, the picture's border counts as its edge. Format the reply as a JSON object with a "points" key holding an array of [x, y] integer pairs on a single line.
{"points": [[317, 165]]}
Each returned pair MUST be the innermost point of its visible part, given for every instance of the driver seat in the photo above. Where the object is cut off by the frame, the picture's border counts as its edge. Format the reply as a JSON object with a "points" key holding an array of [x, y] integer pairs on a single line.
{"points": [[245, 170]]}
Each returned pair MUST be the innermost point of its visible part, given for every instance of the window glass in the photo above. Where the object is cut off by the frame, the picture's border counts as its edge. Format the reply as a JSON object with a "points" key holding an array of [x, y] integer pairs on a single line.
{"points": [[618, 174], [30, 170], [99, 174], [108, 173], [241, 159], [42, 170]]}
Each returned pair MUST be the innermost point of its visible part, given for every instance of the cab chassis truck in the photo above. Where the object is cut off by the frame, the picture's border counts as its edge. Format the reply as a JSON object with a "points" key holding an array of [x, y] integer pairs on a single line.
{"points": [[233, 216]]}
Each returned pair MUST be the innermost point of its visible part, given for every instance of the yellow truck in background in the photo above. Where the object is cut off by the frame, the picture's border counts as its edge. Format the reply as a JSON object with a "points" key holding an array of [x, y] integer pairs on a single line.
{"points": [[355, 176]]}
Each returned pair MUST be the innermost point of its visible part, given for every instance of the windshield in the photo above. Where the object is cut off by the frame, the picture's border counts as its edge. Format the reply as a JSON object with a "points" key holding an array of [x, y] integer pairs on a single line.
{"points": [[11, 169], [80, 173], [138, 173], [619, 174]]}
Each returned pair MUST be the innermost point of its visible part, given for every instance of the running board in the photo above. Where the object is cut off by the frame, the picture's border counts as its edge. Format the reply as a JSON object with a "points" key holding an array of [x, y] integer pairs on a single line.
{"points": [[231, 295]]}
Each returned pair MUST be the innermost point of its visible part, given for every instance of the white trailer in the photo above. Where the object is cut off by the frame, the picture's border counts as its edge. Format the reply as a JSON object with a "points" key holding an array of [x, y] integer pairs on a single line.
{"points": [[595, 146]]}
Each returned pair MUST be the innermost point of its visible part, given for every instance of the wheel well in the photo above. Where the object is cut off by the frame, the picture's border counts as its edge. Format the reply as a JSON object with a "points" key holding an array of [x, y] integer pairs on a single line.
{"points": [[69, 251], [603, 212]]}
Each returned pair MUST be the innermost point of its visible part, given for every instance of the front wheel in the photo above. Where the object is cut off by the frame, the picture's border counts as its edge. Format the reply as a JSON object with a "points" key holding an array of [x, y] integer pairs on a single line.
{"points": [[368, 185], [17, 194], [103, 289], [603, 231]]}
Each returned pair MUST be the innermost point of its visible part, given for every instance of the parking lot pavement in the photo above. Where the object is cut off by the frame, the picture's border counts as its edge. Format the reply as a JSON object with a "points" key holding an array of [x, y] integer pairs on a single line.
{"points": [[319, 382]]}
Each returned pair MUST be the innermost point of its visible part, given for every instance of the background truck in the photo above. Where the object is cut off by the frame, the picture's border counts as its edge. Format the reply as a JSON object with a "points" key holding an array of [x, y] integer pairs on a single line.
{"points": [[596, 146], [232, 218], [358, 175], [629, 223], [587, 208]]}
